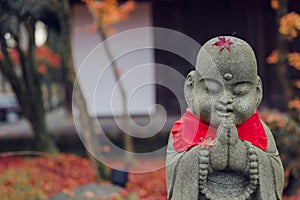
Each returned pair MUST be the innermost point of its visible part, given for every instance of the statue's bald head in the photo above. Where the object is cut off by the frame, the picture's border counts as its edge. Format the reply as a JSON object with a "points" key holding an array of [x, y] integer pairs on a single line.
{"points": [[239, 60], [225, 82]]}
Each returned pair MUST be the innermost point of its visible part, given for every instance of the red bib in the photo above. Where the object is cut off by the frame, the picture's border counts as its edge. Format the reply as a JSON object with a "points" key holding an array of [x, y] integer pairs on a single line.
{"points": [[190, 130]]}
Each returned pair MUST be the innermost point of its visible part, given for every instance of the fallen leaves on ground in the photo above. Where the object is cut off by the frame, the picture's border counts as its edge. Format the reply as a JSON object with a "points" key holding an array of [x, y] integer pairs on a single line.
{"points": [[57, 173], [37, 178]]}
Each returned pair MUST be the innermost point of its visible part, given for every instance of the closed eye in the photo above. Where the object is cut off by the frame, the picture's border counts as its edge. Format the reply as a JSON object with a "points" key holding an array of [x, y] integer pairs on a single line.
{"points": [[211, 86], [241, 88]]}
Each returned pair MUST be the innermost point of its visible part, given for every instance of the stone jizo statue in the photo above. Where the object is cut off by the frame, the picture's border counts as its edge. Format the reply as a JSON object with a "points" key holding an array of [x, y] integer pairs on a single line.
{"points": [[220, 149]]}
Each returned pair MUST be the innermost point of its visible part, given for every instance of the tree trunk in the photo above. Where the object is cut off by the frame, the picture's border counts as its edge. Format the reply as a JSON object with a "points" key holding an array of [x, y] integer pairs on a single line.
{"points": [[282, 44], [66, 48], [3, 84], [48, 86], [44, 141], [28, 93], [36, 111], [27, 85], [32, 107], [128, 140], [78, 98], [36, 116]]}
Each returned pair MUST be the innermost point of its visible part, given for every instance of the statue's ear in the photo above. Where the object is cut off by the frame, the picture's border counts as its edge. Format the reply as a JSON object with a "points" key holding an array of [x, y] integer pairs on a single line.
{"points": [[189, 85], [259, 91]]}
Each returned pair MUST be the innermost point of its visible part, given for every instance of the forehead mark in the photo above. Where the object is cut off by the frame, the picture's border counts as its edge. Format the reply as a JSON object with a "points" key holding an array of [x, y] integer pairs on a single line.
{"points": [[228, 76]]}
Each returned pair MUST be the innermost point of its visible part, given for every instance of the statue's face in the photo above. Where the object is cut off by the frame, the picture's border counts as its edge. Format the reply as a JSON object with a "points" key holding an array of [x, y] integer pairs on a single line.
{"points": [[214, 99], [225, 85]]}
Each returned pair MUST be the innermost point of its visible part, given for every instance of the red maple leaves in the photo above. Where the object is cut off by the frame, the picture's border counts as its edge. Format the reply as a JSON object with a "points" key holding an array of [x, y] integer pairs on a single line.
{"points": [[64, 172], [49, 175], [223, 43]]}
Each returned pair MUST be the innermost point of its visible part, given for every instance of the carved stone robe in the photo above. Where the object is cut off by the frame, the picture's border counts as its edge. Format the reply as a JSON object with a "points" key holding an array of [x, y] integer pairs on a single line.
{"points": [[183, 172]]}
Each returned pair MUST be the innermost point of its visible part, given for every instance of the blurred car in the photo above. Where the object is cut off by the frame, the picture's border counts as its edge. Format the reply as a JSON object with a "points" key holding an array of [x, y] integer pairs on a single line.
{"points": [[10, 110]]}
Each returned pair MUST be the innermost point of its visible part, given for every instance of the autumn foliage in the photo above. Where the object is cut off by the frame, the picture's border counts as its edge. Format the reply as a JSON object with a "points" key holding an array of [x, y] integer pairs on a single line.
{"points": [[44, 57], [294, 60], [44, 176], [14, 55], [273, 57], [223, 43], [289, 27], [106, 13], [274, 4], [38, 178]]}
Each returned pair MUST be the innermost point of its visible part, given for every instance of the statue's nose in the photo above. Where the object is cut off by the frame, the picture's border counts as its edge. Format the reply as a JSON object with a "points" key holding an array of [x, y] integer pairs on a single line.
{"points": [[226, 98]]}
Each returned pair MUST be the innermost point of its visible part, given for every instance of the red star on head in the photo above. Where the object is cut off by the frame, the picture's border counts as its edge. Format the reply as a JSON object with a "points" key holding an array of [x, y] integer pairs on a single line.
{"points": [[223, 43]]}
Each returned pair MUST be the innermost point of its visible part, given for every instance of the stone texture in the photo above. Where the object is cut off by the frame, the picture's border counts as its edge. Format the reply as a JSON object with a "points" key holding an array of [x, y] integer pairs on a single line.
{"points": [[224, 91]]}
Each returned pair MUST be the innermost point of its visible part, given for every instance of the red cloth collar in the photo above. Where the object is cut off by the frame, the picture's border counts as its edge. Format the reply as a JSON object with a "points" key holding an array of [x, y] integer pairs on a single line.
{"points": [[190, 130]]}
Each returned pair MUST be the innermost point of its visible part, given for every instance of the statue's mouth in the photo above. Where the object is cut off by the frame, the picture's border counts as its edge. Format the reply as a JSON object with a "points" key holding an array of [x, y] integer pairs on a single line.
{"points": [[223, 112]]}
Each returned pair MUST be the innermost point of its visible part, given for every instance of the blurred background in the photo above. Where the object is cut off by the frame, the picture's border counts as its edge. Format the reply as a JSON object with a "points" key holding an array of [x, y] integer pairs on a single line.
{"points": [[48, 123]]}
